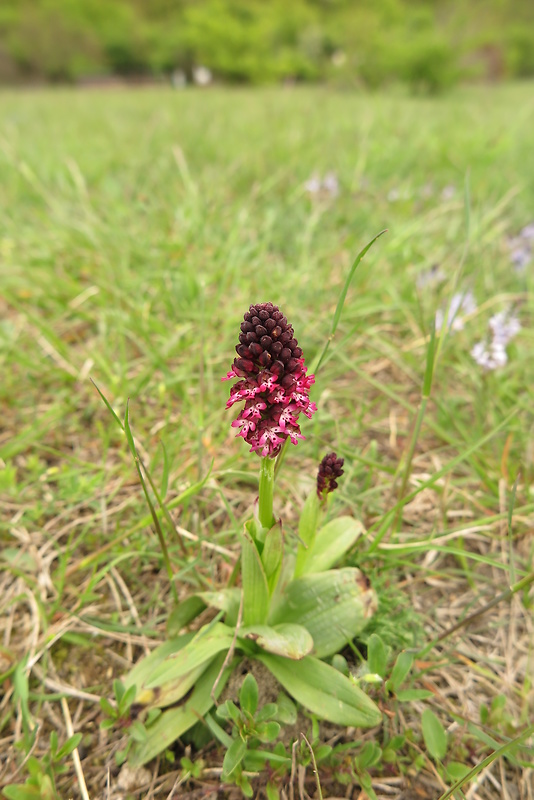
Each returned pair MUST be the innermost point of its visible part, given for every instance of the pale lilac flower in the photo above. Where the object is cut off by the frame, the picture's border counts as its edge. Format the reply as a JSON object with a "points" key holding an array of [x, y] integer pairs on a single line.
{"points": [[504, 327], [462, 303], [329, 185], [527, 232], [520, 257], [313, 184], [491, 355], [448, 192]]}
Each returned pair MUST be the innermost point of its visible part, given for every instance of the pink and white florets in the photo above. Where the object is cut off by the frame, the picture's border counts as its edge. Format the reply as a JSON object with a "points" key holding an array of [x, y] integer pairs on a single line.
{"points": [[274, 383]]}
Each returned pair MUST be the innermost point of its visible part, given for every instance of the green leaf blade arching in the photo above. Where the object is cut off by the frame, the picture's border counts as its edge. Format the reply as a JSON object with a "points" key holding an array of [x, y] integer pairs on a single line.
{"points": [[174, 722], [323, 690], [333, 606], [291, 641], [330, 544], [175, 675], [144, 668]]}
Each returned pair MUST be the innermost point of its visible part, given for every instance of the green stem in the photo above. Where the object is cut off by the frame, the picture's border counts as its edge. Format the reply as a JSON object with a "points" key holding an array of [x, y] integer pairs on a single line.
{"points": [[266, 492]]}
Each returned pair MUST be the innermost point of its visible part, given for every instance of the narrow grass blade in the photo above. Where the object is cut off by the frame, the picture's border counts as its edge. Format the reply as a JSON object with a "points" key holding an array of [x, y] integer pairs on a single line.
{"points": [[341, 301], [507, 748]]}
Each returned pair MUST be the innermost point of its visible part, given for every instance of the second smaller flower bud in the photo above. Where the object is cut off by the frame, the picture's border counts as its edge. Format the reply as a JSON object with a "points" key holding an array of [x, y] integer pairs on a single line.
{"points": [[330, 469]]}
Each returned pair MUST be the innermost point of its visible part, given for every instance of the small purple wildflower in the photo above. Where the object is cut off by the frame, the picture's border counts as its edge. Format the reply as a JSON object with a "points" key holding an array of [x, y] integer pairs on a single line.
{"points": [[491, 355], [275, 386], [330, 469], [520, 256], [462, 303]]}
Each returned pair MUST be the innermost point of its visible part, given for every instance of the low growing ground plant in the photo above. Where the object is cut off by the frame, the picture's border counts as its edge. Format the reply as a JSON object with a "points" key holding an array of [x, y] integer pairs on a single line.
{"points": [[288, 605]]}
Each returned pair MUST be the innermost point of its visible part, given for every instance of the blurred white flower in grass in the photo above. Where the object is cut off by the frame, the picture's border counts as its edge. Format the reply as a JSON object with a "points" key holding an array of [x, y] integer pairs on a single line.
{"points": [[461, 305], [492, 354], [329, 185]]}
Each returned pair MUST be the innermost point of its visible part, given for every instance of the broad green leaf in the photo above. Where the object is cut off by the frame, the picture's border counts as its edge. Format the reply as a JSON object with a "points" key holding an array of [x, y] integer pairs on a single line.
{"points": [[233, 757], [183, 614], [248, 694], [205, 644], [171, 690], [323, 690], [377, 655], [286, 712], [434, 735], [286, 639], [145, 667], [17, 791], [176, 721], [456, 771], [400, 671], [254, 582], [331, 543], [70, 745], [225, 599], [333, 606]]}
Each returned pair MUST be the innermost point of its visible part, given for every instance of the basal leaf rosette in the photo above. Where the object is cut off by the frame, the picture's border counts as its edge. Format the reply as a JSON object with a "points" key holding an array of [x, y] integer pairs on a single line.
{"points": [[273, 381]]}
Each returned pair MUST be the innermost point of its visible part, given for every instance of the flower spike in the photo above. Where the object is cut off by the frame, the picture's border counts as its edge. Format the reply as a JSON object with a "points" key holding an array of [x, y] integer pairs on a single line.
{"points": [[330, 469], [274, 383]]}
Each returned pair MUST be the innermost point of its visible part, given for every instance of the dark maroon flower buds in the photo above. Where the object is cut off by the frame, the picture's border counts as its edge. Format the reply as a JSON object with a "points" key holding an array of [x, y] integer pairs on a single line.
{"points": [[275, 386], [330, 469]]}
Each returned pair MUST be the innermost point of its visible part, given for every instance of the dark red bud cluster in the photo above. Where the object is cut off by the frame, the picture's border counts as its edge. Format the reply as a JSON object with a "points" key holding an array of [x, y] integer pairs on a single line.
{"points": [[267, 341], [330, 468]]}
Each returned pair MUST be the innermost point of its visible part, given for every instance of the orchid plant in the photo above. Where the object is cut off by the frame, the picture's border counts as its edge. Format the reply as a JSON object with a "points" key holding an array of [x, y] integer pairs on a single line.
{"points": [[290, 608]]}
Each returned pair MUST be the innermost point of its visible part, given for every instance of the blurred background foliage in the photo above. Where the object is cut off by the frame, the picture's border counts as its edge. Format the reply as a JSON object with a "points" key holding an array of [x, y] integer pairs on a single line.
{"points": [[429, 44]]}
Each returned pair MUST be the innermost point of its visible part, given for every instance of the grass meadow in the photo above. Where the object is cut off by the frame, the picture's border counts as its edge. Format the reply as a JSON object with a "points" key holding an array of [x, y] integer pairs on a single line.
{"points": [[136, 227]]}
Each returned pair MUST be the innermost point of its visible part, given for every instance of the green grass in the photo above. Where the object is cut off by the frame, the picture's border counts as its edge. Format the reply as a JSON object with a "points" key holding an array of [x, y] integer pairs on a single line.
{"points": [[137, 227]]}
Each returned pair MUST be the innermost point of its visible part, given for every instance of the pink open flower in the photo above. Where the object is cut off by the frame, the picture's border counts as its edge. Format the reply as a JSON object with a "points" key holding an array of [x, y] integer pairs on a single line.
{"points": [[274, 383]]}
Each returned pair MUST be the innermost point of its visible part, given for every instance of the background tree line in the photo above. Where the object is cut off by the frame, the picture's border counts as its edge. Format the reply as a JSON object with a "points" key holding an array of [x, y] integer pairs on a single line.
{"points": [[429, 44]]}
